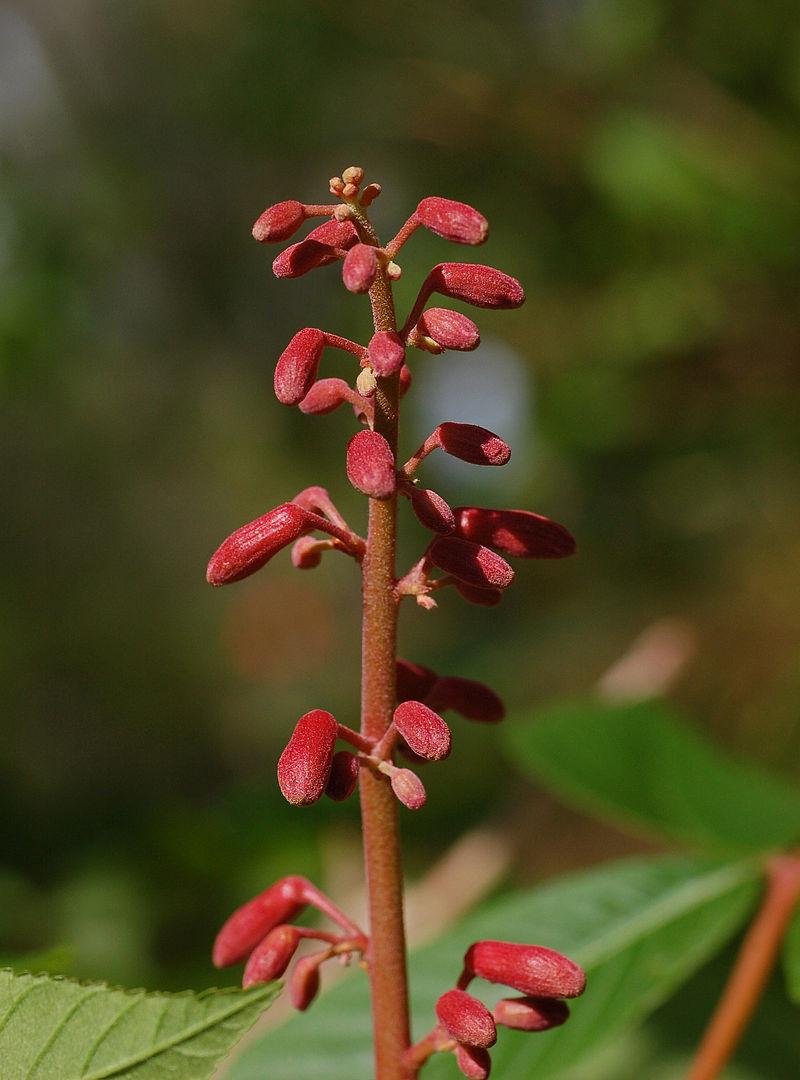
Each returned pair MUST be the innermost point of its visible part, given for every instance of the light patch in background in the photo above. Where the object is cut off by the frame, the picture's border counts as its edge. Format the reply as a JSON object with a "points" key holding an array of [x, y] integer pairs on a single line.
{"points": [[27, 88]]}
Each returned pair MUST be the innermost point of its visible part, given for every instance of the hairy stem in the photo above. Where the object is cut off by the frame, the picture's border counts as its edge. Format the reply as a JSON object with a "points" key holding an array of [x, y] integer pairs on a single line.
{"points": [[752, 969]]}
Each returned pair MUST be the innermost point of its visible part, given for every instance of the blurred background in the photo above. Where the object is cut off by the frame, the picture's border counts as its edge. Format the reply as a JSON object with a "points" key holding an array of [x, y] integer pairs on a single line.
{"points": [[639, 163]]}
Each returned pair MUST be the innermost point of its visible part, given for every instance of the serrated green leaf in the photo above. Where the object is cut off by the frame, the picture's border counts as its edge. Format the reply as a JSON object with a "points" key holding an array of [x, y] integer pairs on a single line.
{"points": [[791, 958], [58, 1029], [640, 765], [639, 927]]}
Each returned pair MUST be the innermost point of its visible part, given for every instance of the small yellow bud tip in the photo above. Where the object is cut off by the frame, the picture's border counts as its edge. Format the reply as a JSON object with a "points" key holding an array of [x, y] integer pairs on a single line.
{"points": [[349, 191], [366, 383], [353, 175]]}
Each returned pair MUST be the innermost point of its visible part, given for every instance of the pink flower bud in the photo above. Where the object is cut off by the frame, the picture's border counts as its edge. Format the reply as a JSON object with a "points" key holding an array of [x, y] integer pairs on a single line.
{"points": [[254, 544], [360, 268], [426, 733], [449, 329], [299, 258], [519, 533], [466, 1019], [297, 366], [453, 220], [470, 563], [338, 234], [344, 776], [304, 983], [482, 286], [305, 764], [405, 379], [280, 221], [278, 904], [469, 698], [325, 396], [386, 353], [530, 1013], [413, 680], [483, 597], [271, 958], [306, 553], [432, 511], [472, 443], [408, 788], [473, 1062], [532, 969], [370, 465]]}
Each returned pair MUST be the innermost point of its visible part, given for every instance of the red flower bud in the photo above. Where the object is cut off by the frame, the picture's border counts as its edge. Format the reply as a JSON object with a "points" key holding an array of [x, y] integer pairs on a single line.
{"points": [[408, 788], [472, 443], [305, 764], [344, 776], [473, 1062], [297, 366], [471, 563], [386, 353], [325, 396], [432, 511], [360, 268], [519, 533], [413, 680], [299, 258], [254, 544], [280, 221], [482, 286], [405, 379], [370, 465], [337, 234], [466, 1019], [449, 329], [426, 733], [453, 220], [530, 1013], [304, 983], [484, 597], [467, 697], [306, 553], [531, 969], [271, 958], [278, 904]]}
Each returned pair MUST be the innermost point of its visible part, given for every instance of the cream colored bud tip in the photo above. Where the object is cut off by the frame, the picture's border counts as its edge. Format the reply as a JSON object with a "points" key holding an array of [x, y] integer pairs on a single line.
{"points": [[349, 191], [353, 175], [343, 212], [366, 383], [393, 270], [336, 185]]}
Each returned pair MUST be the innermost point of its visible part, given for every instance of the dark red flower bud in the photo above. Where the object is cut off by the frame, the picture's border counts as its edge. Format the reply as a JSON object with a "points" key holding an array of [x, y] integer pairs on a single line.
{"points": [[484, 597], [370, 465], [305, 764], [466, 1019], [469, 698], [280, 221], [386, 353], [471, 563], [271, 958], [453, 220], [304, 983], [432, 511], [360, 268], [532, 969], [297, 366], [408, 788], [413, 680], [254, 544], [472, 443], [530, 1013], [278, 904], [473, 1062], [426, 733], [519, 533], [449, 329], [306, 553], [405, 379], [481, 286], [325, 396], [344, 776], [299, 258], [337, 234]]}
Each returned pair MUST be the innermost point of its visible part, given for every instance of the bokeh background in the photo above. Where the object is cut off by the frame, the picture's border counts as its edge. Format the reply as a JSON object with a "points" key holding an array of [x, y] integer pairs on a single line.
{"points": [[639, 162]]}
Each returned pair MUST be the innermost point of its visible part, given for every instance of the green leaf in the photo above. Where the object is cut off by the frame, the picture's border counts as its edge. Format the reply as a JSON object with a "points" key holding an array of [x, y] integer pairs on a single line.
{"points": [[639, 927], [791, 958], [58, 1029], [639, 764]]}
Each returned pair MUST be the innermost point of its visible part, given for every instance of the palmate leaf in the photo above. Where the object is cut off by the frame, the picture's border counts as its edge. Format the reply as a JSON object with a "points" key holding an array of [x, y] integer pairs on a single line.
{"points": [[59, 1029], [640, 927], [640, 765]]}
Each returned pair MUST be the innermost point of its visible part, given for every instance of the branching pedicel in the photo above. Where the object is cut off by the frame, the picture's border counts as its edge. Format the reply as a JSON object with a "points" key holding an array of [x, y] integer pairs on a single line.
{"points": [[401, 700]]}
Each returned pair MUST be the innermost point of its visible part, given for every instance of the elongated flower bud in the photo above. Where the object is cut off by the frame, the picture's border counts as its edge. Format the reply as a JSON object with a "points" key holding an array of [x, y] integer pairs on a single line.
{"points": [[530, 1013], [432, 511], [519, 533], [337, 234], [360, 268], [466, 1019], [473, 1062], [307, 552], [344, 776], [305, 764], [483, 597], [271, 958], [453, 220], [426, 733], [280, 903], [386, 353], [370, 465], [408, 788], [297, 365], [299, 258], [472, 443], [481, 286], [532, 969], [324, 396], [471, 699], [471, 563], [304, 983], [280, 221], [449, 329], [254, 544], [413, 680]]}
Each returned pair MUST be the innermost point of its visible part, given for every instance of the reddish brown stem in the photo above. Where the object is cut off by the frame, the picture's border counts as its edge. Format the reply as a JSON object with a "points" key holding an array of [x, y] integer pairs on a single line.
{"points": [[752, 968]]}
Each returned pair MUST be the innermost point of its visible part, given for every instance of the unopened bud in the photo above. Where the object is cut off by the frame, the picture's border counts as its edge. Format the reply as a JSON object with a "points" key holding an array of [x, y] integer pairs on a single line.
{"points": [[360, 267], [299, 258], [481, 286], [472, 443], [349, 191], [482, 597], [370, 194], [532, 969], [324, 396], [394, 271], [413, 680], [305, 764], [471, 563], [307, 552], [353, 175], [336, 185], [366, 383], [530, 1013], [405, 380], [280, 221], [271, 958], [453, 220], [344, 776], [386, 352], [426, 734], [304, 983], [278, 904], [466, 1019], [297, 365], [449, 329], [370, 465], [254, 544], [519, 533], [432, 511], [408, 788], [473, 1062], [471, 699], [335, 232]]}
